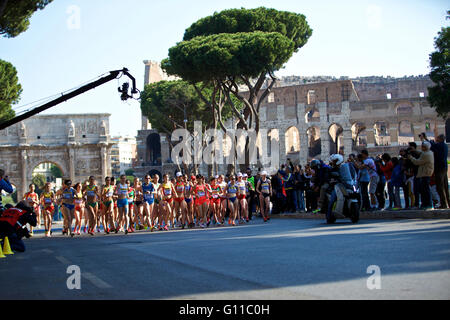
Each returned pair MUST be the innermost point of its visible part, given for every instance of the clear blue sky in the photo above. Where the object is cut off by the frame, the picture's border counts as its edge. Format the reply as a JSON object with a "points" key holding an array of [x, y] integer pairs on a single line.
{"points": [[350, 38]]}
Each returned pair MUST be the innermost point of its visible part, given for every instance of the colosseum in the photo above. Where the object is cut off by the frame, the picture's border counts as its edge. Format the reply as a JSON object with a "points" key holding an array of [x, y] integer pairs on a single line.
{"points": [[318, 116]]}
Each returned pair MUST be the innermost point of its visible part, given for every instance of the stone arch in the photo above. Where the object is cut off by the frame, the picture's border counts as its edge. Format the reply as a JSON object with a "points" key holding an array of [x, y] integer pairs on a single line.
{"points": [[62, 165], [314, 142], [405, 132], [153, 144], [381, 133], [312, 114], [359, 134], [292, 140], [335, 132]]}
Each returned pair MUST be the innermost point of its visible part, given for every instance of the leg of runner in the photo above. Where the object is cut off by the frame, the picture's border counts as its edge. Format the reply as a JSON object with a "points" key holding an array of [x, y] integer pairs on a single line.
{"points": [[77, 215], [66, 213], [267, 208], [92, 220]]}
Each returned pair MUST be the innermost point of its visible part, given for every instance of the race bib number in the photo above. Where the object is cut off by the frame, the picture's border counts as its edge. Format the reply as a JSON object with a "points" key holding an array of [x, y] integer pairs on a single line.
{"points": [[148, 196]]}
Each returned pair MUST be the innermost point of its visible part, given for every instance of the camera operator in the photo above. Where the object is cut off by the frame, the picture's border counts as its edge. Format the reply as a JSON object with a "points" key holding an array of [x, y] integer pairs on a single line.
{"points": [[4, 185], [13, 225]]}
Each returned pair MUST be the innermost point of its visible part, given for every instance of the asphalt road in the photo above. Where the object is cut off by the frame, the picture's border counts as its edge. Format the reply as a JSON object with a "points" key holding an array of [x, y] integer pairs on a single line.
{"points": [[282, 259]]}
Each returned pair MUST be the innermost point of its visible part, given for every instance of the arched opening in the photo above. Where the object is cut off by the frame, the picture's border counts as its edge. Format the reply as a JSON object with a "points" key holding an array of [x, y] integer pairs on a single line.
{"points": [[405, 132], [153, 150], [314, 142], [292, 140], [312, 115], [335, 132], [381, 132], [359, 135], [47, 172]]}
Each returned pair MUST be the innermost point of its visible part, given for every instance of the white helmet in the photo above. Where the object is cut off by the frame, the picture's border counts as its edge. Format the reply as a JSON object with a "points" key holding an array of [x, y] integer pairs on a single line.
{"points": [[336, 157]]}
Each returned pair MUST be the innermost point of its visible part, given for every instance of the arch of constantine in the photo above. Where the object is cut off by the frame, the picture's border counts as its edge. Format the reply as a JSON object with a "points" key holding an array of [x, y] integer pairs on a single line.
{"points": [[79, 144]]}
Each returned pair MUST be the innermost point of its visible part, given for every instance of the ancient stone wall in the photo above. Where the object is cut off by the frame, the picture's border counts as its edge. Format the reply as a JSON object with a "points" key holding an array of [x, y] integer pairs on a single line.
{"points": [[78, 144]]}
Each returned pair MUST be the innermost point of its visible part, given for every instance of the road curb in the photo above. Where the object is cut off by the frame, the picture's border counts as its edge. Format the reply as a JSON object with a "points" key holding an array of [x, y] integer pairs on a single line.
{"points": [[410, 214]]}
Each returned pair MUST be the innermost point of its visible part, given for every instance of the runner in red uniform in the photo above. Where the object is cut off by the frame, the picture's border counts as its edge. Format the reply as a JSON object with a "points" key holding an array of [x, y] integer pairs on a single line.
{"points": [[180, 203], [201, 204], [214, 203], [32, 200]]}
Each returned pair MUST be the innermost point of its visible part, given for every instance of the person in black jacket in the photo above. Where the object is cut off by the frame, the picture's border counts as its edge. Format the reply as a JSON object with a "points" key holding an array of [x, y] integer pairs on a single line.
{"points": [[310, 195], [321, 183], [440, 151], [299, 186]]}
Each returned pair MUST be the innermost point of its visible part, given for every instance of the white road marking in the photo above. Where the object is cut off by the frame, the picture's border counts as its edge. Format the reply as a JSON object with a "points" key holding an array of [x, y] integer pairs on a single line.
{"points": [[96, 281], [63, 260]]}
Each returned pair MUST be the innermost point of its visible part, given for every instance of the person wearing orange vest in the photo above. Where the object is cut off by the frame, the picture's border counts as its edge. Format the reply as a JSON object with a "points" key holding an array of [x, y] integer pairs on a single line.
{"points": [[13, 225]]}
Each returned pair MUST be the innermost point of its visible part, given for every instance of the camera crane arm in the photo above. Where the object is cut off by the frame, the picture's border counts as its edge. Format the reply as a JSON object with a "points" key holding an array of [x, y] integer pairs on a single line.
{"points": [[112, 75]]}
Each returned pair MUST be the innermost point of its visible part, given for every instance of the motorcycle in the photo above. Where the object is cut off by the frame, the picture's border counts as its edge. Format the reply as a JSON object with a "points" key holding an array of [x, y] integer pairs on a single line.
{"points": [[351, 206]]}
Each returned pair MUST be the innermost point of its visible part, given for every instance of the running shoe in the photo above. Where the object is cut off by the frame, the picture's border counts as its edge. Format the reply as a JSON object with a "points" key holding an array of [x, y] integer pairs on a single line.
{"points": [[166, 228]]}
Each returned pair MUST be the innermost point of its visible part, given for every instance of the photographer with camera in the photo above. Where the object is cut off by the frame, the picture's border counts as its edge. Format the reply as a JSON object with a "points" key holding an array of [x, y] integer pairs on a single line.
{"points": [[13, 225], [425, 165]]}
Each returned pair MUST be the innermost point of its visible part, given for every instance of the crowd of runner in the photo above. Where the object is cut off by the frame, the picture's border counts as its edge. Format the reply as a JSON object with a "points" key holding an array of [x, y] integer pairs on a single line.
{"points": [[178, 202]]}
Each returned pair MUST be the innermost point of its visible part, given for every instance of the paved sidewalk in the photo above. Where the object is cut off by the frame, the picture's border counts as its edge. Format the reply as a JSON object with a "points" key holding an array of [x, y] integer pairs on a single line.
{"points": [[384, 214]]}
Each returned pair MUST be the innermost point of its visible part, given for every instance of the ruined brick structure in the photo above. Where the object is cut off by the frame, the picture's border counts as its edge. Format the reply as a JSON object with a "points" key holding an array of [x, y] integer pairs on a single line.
{"points": [[317, 119]]}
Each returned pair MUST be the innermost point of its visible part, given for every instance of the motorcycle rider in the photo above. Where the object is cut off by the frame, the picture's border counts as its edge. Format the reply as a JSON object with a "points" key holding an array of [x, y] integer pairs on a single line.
{"points": [[342, 177]]}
